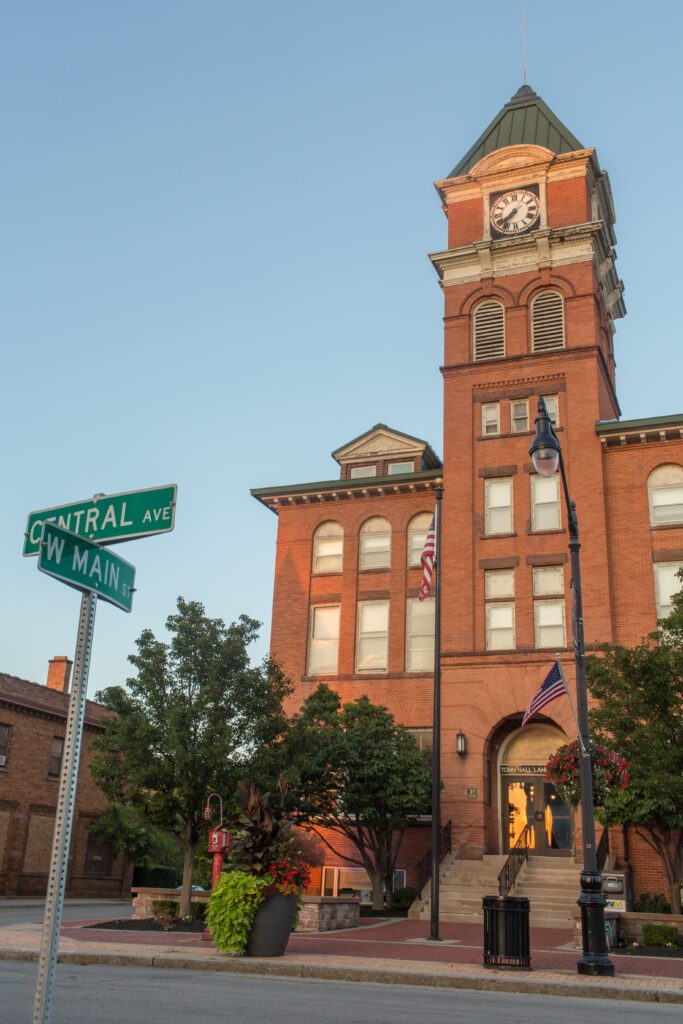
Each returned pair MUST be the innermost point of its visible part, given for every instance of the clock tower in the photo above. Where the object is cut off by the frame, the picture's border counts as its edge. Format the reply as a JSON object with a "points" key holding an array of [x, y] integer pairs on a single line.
{"points": [[531, 297]]}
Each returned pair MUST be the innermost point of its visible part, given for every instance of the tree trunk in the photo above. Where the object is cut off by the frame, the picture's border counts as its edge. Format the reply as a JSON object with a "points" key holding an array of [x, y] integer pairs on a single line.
{"points": [[188, 868], [675, 890], [377, 890]]}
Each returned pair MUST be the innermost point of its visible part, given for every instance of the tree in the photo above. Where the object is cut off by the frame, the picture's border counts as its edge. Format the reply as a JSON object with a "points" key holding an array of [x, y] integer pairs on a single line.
{"points": [[640, 713], [356, 774], [188, 724]]}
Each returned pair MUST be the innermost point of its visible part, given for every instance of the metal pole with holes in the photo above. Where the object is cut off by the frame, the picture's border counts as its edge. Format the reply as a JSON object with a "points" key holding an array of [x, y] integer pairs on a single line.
{"points": [[59, 862]]}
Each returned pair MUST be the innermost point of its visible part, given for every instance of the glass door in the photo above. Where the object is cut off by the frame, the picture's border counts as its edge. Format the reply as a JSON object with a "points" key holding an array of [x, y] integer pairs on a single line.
{"points": [[533, 802]]}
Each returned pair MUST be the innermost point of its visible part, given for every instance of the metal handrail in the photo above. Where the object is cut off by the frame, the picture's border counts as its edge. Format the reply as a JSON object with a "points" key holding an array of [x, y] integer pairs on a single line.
{"points": [[519, 854], [424, 867]]}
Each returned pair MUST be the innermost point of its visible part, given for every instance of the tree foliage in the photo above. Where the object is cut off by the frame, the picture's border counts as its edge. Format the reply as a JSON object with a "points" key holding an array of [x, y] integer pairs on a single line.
{"points": [[188, 724], [640, 713], [354, 773]]}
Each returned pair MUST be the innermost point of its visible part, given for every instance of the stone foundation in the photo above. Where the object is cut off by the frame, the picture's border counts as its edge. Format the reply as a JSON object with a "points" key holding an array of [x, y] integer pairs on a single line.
{"points": [[328, 913], [143, 898]]}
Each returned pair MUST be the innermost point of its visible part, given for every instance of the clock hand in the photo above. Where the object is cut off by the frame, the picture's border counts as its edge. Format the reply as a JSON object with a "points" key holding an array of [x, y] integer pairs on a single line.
{"points": [[512, 212]]}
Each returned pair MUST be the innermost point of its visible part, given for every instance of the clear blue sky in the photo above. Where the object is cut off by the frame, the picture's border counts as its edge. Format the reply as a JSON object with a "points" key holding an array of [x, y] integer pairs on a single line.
{"points": [[215, 220]]}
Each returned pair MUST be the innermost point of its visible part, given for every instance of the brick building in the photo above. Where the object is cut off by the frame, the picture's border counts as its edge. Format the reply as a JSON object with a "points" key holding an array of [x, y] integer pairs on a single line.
{"points": [[32, 727], [531, 299]]}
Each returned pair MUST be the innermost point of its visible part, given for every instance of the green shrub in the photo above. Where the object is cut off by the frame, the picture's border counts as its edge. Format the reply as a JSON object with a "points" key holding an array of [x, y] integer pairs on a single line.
{"points": [[234, 901], [659, 934], [652, 903], [165, 908], [404, 898]]}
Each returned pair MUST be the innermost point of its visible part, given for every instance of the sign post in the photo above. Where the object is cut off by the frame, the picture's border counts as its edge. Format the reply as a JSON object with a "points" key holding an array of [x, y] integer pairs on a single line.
{"points": [[74, 559]]}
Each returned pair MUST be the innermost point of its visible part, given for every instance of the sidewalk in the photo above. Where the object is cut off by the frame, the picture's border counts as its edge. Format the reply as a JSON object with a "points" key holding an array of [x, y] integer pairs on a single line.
{"points": [[392, 951]]}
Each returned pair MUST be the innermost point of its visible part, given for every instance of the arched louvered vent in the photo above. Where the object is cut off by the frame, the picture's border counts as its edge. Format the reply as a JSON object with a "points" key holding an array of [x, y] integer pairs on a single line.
{"points": [[489, 331], [547, 322]]}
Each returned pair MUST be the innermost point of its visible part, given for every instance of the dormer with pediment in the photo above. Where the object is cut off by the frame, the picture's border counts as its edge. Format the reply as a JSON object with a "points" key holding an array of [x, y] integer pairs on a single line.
{"points": [[381, 452]]}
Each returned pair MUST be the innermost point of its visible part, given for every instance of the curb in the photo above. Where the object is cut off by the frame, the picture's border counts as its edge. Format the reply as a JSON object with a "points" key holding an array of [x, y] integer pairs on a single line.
{"points": [[491, 981]]}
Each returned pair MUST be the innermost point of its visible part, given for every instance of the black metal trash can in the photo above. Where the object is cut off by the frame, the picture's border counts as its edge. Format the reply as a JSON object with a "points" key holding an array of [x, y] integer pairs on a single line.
{"points": [[506, 932]]}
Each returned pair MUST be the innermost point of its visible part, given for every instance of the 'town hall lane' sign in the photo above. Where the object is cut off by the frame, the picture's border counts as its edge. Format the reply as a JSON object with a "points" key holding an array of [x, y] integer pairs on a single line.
{"points": [[108, 518]]}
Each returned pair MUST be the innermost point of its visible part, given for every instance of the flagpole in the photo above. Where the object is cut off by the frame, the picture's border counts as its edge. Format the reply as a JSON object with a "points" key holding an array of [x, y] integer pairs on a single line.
{"points": [[436, 725], [571, 704]]}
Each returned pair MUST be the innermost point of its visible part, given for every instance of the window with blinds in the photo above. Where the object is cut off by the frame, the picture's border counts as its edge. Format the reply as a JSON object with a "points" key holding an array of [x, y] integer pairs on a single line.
{"points": [[547, 322], [489, 331]]}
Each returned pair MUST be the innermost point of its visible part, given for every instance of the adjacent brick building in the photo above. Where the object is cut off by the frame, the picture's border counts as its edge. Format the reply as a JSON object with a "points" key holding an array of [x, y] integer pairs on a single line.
{"points": [[531, 299], [32, 727]]}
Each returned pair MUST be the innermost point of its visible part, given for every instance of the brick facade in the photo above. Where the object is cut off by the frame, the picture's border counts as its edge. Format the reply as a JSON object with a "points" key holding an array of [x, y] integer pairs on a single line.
{"points": [[29, 785], [569, 251]]}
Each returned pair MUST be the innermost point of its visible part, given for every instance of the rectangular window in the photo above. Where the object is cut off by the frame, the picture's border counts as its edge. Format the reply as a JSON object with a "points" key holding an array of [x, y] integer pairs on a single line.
{"points": [[490, 418], [548, 580], [420, 635], [395, 468], [323, 644], [98, 857], [667, 505], [500, 627], [667, 584], [519, 416], [549, 624], [424, 739], [552, 408], [498, 503], [360, 471], [545, 503], [5, 731], [499, 583], [373, 636], [55, 763]]}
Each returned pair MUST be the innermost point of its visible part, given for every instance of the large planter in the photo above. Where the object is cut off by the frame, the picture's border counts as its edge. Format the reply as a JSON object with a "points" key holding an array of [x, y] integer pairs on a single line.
{"points": [[273, 923]]}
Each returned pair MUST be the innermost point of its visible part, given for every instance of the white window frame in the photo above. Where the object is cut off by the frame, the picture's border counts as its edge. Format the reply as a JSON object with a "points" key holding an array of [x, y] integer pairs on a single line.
{"points": [[315, 643], [538, 606], [383, 662], [498, 576], [490, 484], [365, 554], [554, 410], [494, 421], [536, 481], [360, 472], [514, 429], [662, 608], [491, 608], [413, 650], [320, 536], [670, 486], [424, 738], [398, 468], [539, 571], [413, 554]]}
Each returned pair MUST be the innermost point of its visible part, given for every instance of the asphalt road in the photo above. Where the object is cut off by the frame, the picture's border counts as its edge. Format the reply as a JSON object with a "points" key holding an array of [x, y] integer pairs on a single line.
{"points": [[131, 995], [14, 912]]}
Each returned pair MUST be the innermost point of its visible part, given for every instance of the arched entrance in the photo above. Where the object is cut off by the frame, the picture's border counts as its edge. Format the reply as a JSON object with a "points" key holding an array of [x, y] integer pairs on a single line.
{"points": [[528, 799]]}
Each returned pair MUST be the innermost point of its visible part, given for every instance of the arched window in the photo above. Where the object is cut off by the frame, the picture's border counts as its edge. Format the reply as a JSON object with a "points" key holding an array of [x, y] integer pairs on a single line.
{"points": [[417, 534], [489, 330], [665, 494], [547, 322], [375, 544], [328, 548]]}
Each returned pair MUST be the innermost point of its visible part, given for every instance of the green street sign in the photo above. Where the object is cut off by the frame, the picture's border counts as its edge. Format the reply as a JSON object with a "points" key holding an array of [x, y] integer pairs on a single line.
{"points": [[108, 518], [86, 566]]}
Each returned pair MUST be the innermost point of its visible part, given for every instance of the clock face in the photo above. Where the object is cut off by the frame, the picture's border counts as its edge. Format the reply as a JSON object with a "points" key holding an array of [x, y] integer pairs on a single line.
{"points": [[516, 211]]}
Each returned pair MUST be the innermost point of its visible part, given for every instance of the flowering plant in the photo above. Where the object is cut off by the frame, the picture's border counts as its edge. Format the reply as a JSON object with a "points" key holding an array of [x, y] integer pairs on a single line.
{"points": [[610, 773], [288, 877]]}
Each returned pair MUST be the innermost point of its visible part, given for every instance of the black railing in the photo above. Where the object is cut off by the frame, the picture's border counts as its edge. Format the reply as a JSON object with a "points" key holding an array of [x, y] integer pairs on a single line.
{"points": [[519, 854], [603, 849], [424, 867]]}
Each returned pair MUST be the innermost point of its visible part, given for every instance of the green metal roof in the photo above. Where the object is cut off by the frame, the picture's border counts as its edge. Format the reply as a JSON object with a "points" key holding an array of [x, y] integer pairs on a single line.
{"points": [[358, 483], [651, 423], [525, 119]]}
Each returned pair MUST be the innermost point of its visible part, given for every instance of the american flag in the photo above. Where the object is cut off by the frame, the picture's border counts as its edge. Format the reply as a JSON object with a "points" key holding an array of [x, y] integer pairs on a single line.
{"points": [[552, 686], [427, 561]]}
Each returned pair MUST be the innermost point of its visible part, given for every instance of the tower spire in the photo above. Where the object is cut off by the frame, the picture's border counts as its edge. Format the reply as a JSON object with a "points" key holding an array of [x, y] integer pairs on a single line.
{"points": [[521, 2]]}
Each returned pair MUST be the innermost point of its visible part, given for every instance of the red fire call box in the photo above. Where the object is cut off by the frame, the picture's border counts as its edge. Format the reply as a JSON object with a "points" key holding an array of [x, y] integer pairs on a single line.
{"points": [[219, 839]]}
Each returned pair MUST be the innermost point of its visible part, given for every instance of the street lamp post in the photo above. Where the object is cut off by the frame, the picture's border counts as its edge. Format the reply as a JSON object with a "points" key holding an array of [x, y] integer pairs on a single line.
{"points": [[546, 453]]}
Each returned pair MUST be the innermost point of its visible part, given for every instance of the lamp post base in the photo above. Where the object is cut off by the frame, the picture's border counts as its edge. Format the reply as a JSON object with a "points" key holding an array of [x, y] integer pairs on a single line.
{"points": [[594, 960]]}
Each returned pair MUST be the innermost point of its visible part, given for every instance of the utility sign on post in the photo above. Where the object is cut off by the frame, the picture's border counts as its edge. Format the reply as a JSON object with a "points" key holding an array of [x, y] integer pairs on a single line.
{"points": [[108, 518], [86, 566]]}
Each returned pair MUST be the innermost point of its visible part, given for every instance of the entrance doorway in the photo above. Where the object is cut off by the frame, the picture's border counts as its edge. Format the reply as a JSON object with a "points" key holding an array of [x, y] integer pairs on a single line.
{"points": [[532, 801]]}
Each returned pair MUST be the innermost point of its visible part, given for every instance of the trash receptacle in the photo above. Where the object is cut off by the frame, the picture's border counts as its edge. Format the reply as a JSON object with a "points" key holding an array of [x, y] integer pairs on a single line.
{"points": [[506, 932]]}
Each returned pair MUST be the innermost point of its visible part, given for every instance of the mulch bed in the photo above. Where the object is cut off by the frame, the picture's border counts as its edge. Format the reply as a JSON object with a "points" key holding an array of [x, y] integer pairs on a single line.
{"points": [[148, 924], [675, 952]]}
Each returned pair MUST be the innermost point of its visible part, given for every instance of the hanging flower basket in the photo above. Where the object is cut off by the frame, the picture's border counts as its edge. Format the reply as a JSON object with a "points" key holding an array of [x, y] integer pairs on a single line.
{"points": [[610, 773]]}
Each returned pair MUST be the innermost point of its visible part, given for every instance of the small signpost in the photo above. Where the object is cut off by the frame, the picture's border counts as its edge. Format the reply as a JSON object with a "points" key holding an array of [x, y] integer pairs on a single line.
{"points": [[69, 543]]}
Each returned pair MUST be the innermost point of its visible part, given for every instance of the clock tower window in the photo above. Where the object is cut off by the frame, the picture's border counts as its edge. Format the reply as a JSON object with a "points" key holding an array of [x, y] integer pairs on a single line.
{"points": [[547, 322], [489, 330]]}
